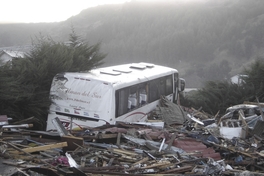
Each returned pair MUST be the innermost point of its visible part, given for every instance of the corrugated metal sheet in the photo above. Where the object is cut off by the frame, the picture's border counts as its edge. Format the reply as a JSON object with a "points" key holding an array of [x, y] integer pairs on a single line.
{"points": [[191, 145]]}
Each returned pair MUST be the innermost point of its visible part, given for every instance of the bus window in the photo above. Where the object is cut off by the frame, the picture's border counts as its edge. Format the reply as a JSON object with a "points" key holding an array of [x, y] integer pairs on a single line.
{"points": [[153, 90], [133, 97], [169, 85], [162, 86], [143, 98], [130, 98], [122, 102]]}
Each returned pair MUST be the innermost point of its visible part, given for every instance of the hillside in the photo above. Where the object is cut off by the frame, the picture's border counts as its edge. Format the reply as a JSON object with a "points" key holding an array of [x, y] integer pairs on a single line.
{"points": [[213, 40]]}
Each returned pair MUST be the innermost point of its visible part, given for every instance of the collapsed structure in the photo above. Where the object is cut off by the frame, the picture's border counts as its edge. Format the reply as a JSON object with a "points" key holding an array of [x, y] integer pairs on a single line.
{"points": [[177, 140]]}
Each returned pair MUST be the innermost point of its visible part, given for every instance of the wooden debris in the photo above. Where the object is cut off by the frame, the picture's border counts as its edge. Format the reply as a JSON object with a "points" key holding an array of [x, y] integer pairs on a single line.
{"points": [[42, 148], [136, 149]]}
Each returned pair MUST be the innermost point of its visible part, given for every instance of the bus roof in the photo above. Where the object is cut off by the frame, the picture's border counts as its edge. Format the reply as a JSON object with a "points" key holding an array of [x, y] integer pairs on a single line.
{"points": [[125, 74]]}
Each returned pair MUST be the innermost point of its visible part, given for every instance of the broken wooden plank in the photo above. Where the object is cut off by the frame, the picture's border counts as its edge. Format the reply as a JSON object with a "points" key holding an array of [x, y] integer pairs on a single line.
{"points": [[15, 147], [19, 149], [43, 148], [71, 142], [122, 151], [157, 165], [179, 170], [106, 168], [233, 150], [141, 161], [118, 139]]}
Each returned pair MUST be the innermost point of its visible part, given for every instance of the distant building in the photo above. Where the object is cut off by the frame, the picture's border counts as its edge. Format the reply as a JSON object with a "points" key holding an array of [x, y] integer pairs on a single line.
{"points": [[238, 79], [9, 55]]}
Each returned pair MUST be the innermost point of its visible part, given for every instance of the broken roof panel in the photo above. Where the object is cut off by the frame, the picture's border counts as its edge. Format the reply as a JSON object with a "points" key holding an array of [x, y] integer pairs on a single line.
{"points": [[192, 145]]}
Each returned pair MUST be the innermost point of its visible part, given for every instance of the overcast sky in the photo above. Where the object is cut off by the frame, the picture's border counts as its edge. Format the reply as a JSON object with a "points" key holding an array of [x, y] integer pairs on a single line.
{"points": [[45, 10], [27, 11]]}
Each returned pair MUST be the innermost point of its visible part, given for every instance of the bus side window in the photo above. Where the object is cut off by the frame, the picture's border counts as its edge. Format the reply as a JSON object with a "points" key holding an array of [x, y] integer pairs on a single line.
{"points": [[122, 102], [169, 85], [162, 86], [133, 97], [143, 98], [153, 90]]}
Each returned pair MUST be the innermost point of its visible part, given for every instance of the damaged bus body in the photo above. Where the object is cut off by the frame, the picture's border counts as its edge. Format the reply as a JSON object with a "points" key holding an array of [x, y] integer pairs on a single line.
{"points": [[124, 93]]}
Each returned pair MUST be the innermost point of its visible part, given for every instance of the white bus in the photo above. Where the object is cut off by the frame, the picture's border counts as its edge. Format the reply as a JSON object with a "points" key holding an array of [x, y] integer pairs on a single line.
{"points": [[124, 93]]}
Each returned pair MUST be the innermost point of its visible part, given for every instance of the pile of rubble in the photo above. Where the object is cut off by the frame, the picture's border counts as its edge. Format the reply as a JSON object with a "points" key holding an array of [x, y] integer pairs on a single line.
{"points": [[175, 141]]}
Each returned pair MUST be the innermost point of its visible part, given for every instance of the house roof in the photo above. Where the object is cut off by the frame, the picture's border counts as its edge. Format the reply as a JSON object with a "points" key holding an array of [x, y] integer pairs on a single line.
{"points": [[13, 54]]}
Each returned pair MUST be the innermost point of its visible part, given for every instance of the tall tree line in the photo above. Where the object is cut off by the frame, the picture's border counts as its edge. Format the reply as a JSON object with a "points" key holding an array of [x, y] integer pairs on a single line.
{"points": [[25, 82], [189, 37], [216, 96]]}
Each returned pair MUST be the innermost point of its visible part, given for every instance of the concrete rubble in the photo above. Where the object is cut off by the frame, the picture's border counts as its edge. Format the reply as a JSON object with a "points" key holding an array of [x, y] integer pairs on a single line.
{"points": [[175, 141]]}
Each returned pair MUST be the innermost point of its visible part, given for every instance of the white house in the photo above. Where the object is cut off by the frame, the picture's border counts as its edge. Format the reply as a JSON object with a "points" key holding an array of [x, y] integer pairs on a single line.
{"points": [[9, 55], [237, 79]]}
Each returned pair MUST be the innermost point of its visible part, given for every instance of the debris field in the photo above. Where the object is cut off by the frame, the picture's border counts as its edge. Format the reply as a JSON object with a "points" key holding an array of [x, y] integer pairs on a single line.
{"points": [[174, 141]]}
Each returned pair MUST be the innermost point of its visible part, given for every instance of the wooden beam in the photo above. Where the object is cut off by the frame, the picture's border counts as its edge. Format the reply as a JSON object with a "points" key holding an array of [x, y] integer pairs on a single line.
{"points": [[44, 147], [122, 151]]}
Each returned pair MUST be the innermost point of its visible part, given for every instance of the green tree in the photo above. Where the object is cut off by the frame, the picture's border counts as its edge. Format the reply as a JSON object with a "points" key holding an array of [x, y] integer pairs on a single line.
{"points": [[217, 96], [28, 80], [254, 79]]}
